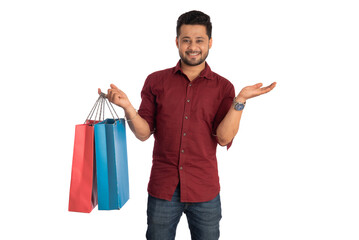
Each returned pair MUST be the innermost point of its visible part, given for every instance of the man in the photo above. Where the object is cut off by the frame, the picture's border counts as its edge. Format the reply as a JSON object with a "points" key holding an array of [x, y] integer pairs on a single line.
{"points": [[189, 109]]}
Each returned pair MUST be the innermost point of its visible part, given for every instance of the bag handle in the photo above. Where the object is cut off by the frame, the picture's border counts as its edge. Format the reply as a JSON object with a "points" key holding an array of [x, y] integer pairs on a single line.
{"points": [[113, 109], [99, 108], [94, 108]]}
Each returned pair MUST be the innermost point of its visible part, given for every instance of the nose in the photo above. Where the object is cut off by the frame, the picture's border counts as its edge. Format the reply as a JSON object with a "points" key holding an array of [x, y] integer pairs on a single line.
{"points": [[192, 46]]}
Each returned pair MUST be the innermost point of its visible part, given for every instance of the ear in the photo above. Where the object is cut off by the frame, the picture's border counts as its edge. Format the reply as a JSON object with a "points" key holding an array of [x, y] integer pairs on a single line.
{"points": [[210, 43], [177, 42]]}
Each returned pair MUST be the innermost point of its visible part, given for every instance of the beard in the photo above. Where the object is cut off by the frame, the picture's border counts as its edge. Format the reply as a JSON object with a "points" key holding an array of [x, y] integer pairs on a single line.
{"points": [[189, 62]]}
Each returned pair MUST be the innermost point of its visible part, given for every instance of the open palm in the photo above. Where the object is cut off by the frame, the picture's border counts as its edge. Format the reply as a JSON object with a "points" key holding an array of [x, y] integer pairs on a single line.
{"points": [[254, 91]]}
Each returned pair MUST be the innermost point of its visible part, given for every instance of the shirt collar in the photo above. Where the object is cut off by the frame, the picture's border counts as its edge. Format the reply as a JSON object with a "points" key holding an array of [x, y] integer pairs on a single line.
{"points": [[206, 72]]}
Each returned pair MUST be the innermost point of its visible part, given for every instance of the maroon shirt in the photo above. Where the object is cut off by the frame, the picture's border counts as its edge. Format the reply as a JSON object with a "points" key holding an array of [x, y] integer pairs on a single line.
{"points": [[183, 117]]}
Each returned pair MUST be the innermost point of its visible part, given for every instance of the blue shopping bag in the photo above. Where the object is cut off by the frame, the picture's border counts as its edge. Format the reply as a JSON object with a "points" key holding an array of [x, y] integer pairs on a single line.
{"points": [[111, 164]]}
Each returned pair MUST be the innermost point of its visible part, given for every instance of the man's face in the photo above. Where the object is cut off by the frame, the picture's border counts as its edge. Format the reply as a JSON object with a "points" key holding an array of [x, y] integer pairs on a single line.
{"points": [[193, 44]]}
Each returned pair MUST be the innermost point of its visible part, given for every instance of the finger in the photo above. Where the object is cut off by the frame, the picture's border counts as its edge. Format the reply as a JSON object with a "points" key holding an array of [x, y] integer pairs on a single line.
{"points": [[112, 95], [268, 88], [258, 85], [113, 86], [109, 95], [272, 85], [100, 92]]}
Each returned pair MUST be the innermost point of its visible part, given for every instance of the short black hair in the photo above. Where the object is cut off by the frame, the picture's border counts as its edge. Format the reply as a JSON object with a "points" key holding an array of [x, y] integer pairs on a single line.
{"points": [[195, 18]]}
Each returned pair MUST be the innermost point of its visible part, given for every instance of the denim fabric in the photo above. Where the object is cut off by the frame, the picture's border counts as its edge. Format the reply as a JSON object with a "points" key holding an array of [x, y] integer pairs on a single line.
{"points": [[163, 217]]}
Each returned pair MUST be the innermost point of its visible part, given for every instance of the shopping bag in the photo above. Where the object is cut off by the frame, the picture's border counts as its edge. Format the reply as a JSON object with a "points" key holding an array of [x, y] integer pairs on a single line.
{"points": [[83, 187], [111, 164]]}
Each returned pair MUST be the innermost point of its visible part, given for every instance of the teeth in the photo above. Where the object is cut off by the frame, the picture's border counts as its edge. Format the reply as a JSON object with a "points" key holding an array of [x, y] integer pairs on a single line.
{"points": [[193, 54]]}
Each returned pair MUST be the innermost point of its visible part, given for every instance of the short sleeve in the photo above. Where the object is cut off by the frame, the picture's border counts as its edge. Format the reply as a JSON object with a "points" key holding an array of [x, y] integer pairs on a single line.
{"points": [[223, 109], [147, 108]]}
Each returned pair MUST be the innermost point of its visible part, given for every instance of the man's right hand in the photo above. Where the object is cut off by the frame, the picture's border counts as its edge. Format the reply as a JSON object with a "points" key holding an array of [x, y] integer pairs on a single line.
{"points": [[138, 125], [116, 96]]}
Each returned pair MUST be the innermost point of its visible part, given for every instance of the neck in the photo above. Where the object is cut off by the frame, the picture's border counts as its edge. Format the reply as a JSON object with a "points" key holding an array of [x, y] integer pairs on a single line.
{"points": [[192, 71]]}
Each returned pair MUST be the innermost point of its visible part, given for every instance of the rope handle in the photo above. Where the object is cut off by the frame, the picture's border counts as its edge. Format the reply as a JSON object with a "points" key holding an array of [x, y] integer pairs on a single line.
{"points": [[99, 109]]}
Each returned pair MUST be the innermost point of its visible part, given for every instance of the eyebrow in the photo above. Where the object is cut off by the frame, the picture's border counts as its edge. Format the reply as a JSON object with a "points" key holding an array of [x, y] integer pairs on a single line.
{"points": [[196, 37]]}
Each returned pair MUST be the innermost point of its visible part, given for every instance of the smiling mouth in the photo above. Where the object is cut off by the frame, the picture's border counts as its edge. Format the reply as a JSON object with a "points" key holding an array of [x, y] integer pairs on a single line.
{"points": [[193, 54]]}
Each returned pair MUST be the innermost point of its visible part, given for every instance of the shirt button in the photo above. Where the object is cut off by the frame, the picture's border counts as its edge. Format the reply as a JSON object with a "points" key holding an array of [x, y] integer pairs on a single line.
{"points": [[188, 100], [190, 84], [182, 151], [186, 117], [184, 134], [181, 168]]}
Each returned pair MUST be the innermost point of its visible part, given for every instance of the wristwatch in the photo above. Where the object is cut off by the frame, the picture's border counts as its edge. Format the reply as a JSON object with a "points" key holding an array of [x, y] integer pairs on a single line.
{"points": [[238, 105]]}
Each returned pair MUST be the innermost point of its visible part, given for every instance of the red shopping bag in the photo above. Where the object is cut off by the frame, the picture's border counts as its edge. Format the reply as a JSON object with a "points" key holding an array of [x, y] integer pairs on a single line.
{"points": [[83, 188]]}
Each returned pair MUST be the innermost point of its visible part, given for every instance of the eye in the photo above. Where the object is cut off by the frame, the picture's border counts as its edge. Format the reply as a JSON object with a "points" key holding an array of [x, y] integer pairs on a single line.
{"points": [[199, 41], [185, 40]]}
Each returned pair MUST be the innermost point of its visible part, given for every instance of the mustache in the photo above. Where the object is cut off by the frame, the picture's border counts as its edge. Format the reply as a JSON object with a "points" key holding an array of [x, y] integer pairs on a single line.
{"points": [[189, 52]]}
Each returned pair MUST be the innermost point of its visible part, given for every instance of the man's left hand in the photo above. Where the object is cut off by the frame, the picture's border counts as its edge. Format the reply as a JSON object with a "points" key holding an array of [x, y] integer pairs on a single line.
{"points": [[254, 91]]}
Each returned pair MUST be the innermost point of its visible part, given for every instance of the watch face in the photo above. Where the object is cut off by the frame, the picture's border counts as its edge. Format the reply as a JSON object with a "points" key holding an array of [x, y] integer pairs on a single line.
{"points": [[239, 106]]}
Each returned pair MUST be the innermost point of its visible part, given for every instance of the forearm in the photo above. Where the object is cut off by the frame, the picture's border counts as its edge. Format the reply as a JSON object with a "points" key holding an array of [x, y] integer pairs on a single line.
{"points": [[138, 125], [229, 126]]}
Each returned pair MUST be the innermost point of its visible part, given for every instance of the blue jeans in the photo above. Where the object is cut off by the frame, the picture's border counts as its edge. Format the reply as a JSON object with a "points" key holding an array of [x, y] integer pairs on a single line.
{"points": [[163, 216]]}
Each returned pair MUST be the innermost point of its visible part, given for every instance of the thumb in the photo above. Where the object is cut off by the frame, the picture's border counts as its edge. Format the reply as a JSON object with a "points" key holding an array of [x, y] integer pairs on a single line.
{"points": [[258, 85], [113, 86]]}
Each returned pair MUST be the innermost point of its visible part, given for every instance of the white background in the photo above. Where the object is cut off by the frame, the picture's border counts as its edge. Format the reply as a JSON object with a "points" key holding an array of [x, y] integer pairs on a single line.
{"points": [[292, 171]]}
